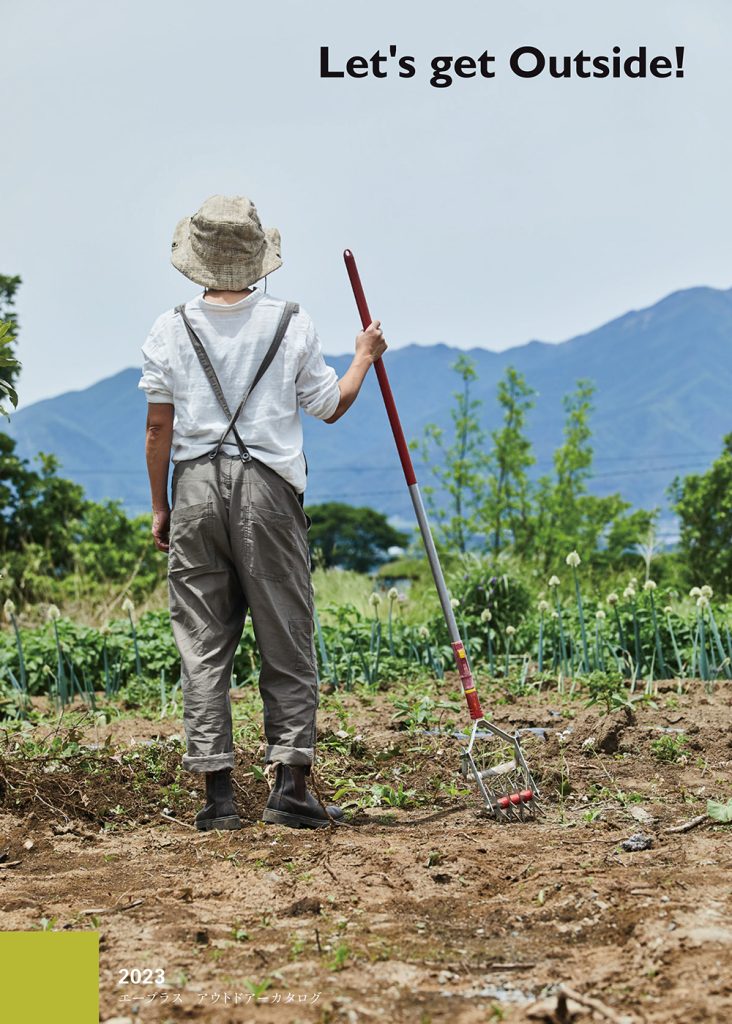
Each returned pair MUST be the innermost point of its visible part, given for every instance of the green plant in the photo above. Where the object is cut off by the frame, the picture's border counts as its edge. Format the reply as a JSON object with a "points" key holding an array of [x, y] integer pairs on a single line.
{"points": [[703, 503], [607, 689], [257, 988], [297, 946], [424, 712], [457, 465], [380, 794], [341, 955], [720, 812], [669, 749]]}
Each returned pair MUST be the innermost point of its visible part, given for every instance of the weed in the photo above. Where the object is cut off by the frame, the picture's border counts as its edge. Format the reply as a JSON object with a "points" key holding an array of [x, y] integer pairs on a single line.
{"points": [[608, 690], [399, 797], [424, 712], [670, 749], [341, 954], [379, 951], [604, 794], [297, 946], [257, 988], [453, 789]]}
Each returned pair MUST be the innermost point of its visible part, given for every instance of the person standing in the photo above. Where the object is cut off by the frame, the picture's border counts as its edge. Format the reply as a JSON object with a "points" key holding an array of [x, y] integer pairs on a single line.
{"points": [[226, 376]]}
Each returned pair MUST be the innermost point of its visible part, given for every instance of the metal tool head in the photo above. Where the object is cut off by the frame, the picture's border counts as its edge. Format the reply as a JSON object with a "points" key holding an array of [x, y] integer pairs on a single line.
{"points": [[494, 760]]}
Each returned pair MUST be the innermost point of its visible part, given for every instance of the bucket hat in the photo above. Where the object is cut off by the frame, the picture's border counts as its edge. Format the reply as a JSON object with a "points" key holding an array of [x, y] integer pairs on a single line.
{"points": [[224, 246]]}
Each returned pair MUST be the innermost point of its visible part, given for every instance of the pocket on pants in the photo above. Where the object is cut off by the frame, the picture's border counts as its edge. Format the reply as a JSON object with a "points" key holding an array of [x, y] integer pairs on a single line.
{"points": [[301, 631], [190, 538], [270, 543]]}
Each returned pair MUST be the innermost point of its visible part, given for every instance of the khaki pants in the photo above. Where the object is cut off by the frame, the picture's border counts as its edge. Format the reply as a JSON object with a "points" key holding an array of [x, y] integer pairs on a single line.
{"points": [[238, 543]]}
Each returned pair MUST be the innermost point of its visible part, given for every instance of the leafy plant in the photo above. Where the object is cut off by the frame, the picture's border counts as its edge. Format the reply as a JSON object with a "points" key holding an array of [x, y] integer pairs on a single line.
{"points": [[341, 954], [9, 367], [719, 811], [669, 749], [257, 988]]}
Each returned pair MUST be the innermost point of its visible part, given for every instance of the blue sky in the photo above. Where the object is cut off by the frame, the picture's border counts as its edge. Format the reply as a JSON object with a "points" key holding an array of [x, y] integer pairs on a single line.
{"points": [[488, 213]]}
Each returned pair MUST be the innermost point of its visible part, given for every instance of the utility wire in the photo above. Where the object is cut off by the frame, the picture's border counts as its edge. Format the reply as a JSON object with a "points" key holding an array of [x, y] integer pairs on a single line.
{"points": [[427, 466]]}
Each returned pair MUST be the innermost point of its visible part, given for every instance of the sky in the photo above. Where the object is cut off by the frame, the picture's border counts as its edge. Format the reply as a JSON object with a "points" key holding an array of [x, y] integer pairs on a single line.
{"points": [[487, 214]]}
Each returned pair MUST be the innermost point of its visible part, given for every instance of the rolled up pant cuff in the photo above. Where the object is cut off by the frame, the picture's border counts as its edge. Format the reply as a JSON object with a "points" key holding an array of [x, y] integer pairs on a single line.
{"points": [[209, 763], [289, 755]]}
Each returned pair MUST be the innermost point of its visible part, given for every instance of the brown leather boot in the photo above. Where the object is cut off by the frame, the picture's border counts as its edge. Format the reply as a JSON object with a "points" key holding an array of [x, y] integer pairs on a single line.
{"points": [[291, 804], [220, 810]]}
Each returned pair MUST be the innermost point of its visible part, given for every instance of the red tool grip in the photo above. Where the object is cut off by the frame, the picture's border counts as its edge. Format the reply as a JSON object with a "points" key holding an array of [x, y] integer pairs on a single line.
{"points": [[466, 678], [516, 798], [391, 409]]}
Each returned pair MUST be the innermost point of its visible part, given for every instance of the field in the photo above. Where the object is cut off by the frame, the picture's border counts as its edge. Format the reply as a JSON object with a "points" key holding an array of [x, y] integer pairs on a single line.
{"points": [[420, 909]]}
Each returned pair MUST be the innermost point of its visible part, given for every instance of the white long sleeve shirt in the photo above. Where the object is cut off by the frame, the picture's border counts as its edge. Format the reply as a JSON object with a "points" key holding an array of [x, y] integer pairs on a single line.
{"points": [[236, 338]]}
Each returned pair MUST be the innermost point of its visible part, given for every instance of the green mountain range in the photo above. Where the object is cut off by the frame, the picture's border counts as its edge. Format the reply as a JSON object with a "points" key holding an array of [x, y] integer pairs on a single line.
{"points": [[662, 406]]}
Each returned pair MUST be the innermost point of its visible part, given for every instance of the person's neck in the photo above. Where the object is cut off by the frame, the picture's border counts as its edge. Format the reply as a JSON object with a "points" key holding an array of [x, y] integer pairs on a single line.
{"points": [[226, 298]]}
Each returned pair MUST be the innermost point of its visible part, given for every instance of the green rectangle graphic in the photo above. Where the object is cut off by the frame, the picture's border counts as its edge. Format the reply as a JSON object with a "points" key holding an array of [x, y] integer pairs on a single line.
{"points": [[49, 976]]}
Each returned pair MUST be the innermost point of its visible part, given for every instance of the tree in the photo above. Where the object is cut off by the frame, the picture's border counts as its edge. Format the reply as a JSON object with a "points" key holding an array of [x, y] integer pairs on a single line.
{"points": [[457, 465], [36, 508], [50, 534], [558, 508], [9, 365], [567, 517], [703, 503], [14, 474], [47, 512], [350, 537], [507, 508], [109, 547]]}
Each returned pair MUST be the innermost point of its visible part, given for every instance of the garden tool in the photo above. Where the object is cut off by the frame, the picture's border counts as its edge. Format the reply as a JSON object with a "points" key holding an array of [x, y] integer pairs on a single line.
{"points": [[492, 757]]}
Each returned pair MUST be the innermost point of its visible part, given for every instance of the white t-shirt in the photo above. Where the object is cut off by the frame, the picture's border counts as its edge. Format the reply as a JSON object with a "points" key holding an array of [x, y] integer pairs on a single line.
{"points": [[236, 338]]}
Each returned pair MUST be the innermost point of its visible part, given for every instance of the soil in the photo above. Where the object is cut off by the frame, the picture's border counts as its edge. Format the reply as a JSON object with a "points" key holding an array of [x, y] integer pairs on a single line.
{"points": [[430, 913]]}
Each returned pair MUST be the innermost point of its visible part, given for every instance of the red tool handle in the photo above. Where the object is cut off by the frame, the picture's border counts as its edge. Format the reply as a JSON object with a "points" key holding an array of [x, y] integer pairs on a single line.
{"points": [[391, 410], [461, 657]]}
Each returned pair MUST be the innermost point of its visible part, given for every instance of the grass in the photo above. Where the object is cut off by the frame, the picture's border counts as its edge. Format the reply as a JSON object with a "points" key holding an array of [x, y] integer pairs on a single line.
{"points": [[340, 587]]}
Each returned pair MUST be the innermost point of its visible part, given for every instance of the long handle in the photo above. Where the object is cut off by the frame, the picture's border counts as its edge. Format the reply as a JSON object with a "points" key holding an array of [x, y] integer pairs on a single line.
{"points": [[461, 657]]}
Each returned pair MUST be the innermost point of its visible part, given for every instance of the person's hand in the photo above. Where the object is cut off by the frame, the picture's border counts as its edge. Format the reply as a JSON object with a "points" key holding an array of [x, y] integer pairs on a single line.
{"points": [[370, 343], [161, 528]]}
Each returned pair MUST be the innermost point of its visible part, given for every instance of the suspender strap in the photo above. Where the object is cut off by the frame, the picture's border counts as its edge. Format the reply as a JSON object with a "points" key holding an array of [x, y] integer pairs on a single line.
{"points": [[289, 310], [210, 373]]}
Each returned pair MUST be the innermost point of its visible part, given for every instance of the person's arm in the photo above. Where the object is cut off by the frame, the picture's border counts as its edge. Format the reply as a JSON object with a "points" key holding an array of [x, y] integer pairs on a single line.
{"points": [[370, 346], [158, 441]]}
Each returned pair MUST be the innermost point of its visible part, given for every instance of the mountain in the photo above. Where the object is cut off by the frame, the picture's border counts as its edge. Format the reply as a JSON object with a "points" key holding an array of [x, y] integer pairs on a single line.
{"points": [[662, 406]]}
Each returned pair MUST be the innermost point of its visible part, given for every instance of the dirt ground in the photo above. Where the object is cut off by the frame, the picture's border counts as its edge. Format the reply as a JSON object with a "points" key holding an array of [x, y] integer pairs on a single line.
{"points": [[425, 914]]}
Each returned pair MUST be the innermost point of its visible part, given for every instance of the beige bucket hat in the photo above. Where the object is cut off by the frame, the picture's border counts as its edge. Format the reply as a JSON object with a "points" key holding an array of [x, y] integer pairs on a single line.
{"points": [[224, 246]]}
